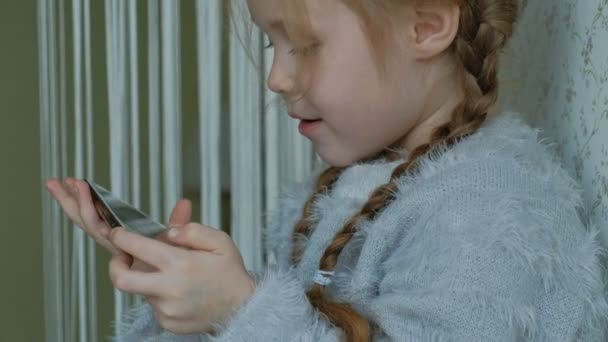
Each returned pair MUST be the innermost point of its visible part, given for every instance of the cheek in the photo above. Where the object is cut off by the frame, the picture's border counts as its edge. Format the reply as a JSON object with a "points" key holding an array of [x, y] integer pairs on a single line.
{"points": [[346, 87], [352, 100], [363, 113]]}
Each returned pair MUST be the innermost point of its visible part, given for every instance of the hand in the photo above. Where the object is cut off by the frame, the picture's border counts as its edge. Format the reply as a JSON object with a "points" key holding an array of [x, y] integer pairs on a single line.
{"points": [[74, 197], [77, 204], [193, 288], [181, 215]]}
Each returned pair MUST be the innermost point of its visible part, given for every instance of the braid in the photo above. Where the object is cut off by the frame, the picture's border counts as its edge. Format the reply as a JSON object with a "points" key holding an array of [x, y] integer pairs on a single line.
{"points": [[485, 26], [304, 226]]}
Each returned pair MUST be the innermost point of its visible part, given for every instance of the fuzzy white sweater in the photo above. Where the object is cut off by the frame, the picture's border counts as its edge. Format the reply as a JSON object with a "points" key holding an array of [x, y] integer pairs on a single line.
{"points": [[485, 243]]}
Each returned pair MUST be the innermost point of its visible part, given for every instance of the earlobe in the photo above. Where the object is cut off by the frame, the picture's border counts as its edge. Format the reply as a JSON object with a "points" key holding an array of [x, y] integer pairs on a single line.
{"points": [[435, 28]]}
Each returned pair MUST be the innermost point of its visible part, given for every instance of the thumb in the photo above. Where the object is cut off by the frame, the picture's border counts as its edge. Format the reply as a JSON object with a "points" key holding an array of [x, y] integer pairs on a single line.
{"points": [[181, 214], [199, 237]]}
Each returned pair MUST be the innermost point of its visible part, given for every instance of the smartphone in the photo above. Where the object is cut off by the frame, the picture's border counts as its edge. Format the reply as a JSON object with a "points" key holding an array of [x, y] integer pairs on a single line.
{"points": [[118, 213]]}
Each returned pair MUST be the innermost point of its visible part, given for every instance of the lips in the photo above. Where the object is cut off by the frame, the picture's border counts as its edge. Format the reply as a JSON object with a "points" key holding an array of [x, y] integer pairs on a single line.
{"points": [[308, 127], [299, 117]]}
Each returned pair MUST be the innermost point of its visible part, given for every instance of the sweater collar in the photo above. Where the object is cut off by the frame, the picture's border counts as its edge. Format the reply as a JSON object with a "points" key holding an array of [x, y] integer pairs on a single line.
{"points": [[508, 129], [360, 179]]}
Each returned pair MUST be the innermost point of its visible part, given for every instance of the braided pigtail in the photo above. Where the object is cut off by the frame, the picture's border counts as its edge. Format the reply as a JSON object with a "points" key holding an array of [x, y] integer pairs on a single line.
{"points": [[485, 27], [304, 226]]}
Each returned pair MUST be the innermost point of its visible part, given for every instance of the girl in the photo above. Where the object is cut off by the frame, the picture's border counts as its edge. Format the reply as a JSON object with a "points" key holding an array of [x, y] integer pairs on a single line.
{"points": [[439, 218]]}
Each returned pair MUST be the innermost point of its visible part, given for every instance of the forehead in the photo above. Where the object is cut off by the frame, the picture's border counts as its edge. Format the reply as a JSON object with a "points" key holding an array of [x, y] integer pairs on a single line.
{"points": [[268, 13], [264, 11], [258, 8]]}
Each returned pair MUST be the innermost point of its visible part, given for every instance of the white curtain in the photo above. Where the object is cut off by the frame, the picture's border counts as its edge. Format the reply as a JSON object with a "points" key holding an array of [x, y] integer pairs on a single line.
{"points": [[126, 126]]}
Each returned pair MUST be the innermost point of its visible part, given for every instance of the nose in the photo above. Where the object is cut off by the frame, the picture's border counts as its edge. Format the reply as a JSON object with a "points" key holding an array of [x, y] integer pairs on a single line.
{"points": [[279, 80]]}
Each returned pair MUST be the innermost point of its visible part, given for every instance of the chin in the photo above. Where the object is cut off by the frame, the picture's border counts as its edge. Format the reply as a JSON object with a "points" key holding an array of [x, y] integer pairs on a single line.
{"points": [[338, 159], [333, 160]]}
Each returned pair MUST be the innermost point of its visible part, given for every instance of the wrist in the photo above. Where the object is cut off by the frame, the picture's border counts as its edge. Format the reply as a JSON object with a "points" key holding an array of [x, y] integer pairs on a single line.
{"points": [[246, 291]]}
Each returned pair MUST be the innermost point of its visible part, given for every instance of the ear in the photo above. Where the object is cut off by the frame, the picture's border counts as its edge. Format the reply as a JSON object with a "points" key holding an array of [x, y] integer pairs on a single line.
{"points": [[434, 28]]}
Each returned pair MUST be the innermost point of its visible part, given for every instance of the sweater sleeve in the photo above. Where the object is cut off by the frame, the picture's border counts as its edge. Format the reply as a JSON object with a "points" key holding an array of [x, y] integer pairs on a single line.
{"points": [[441, 289], [444, 294], [278, 310]]}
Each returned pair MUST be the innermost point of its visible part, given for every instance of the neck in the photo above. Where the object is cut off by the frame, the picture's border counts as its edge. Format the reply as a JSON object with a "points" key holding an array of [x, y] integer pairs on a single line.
{"points": [[449, 91], [424, 128]]}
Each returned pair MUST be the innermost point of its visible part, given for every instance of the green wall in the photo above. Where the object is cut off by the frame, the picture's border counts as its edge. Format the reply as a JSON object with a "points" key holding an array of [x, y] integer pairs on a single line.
{"points": [[21, 288], [21, 316]]}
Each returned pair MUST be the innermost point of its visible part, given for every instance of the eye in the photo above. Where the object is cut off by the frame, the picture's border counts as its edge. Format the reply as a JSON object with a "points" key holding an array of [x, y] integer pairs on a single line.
{"points": [[305, 50], [269, 45]]}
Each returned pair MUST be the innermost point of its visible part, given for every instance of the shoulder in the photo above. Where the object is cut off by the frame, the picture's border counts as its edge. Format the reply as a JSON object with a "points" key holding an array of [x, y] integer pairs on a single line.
{"points": [[502, 189], [504, 185], [506, 158], [507, 138]]}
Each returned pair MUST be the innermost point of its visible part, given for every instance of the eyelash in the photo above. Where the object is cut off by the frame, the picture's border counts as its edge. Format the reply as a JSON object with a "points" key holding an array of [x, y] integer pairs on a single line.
{"points": [[292, 51]]}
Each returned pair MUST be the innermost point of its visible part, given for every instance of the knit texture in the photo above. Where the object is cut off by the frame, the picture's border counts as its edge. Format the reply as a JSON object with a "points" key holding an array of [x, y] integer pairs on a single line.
{"points": [[484, 243]]}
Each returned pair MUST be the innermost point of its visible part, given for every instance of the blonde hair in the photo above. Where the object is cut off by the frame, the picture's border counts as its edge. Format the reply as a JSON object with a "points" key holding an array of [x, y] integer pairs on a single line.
{"points": [[484, 28]]}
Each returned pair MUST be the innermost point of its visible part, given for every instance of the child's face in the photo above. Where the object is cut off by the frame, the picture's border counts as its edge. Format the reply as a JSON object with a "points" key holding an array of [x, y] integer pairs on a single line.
{"points": [[360, 113]]}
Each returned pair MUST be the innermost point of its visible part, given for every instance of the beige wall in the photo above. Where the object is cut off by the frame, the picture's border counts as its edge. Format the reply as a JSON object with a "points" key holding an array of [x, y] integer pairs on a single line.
{"points": [[20, 203], [556, 72]]}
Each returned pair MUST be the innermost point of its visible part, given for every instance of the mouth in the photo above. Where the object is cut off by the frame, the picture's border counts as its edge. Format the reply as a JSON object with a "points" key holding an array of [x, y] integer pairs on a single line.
{"points": [[298, 117], [308, 127]]}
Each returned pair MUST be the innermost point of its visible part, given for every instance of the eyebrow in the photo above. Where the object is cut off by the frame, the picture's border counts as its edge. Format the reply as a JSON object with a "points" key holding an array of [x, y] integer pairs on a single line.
{"points": [[274, 24]]}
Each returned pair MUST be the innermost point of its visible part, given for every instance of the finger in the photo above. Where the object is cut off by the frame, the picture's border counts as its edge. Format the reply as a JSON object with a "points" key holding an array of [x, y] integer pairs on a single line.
{"points": [[88, 213], [199, 237], [150, 251], [138, 265], [109, 246], [70, 186], [181, 214], [63, 193], [132, 281], [66, 200]]}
